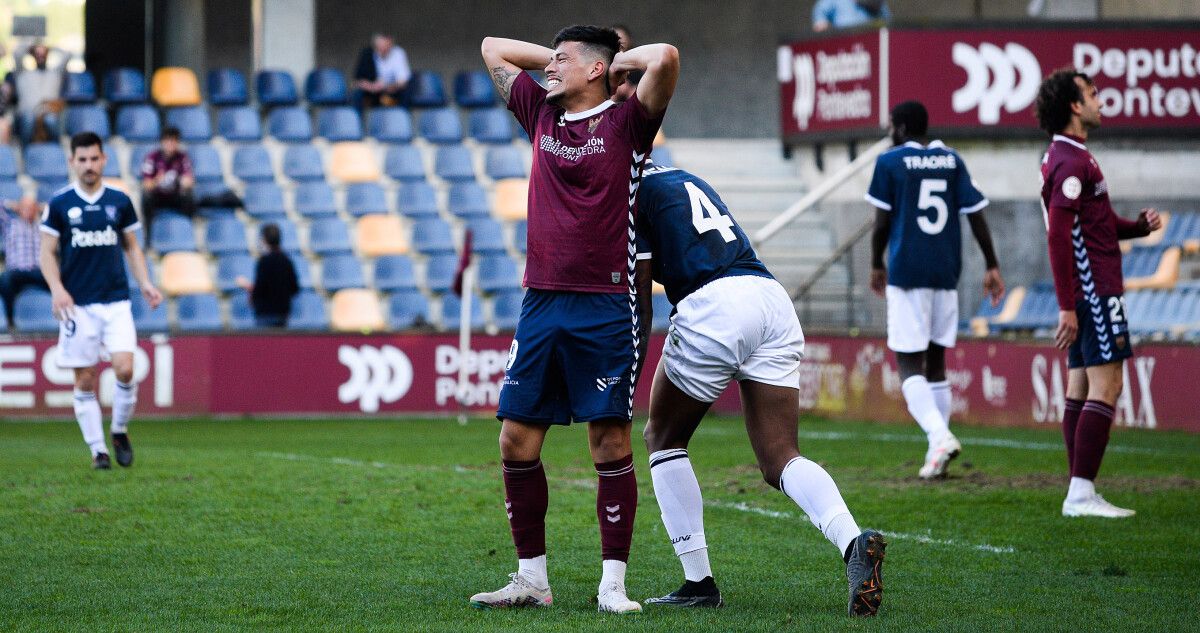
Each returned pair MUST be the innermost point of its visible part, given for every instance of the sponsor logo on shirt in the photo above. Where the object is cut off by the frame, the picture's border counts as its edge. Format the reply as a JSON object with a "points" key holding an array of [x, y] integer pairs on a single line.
{"points": [[75, 215], [1071, 188], [594, 123], [552, 145], [110, 210], [87, 239]]}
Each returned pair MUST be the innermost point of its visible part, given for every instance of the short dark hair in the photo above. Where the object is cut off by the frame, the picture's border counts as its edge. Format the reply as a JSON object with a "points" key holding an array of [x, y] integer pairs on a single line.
{"points": [[270, 235], [913, 116], [1055, 96], [86, 139], [602, 40], [169, 132]]}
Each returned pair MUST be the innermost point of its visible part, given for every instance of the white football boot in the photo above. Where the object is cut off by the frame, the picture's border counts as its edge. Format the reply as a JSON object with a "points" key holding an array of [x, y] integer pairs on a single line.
{"points": [[1095, 506], [939, 455], [516, 594], [612, 599]]}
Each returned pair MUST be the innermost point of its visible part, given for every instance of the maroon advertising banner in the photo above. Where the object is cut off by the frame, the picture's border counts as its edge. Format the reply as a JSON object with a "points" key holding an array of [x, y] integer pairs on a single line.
{"points": [[831, 85], [994, 383]]}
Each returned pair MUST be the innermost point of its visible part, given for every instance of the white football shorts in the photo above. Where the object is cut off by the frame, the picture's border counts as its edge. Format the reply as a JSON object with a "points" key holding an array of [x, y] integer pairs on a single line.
{"points": [[916, 316], [733, 328], [94, 332]]}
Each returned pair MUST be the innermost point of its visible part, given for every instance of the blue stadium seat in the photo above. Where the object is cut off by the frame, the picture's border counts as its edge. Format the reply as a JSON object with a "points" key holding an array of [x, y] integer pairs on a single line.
{"points": [[506, 309], [227, 87], [505, 161], [520, 235], [10, 190], [314, 199], [487, 236], [404, 163], [442, 126], [303, 162], [327, 236], [454, 163], [426, 90], [137, 156], [47, 190], [145, 319], [498, 273], [46, 163], [468, 200], [206, 164], [662, 312], [474, 89], [452, 312], [290, 125], [112, 167], [8, 163], [325, 86], [662, 156], [439, 272], [209, 212], [417, 200], [432, 236], [252, 163], [232, 266], [365, 198], [198, 313], [239, 124], [1038, 310], [493, 125], [394, 272], [264, 201], [1142, 261], [172, 232], [225, 235], [304, 276], [32, 312], [125, 85], [341, 271], [289, 237], [79, 88], [275, 88], [3, 312], [86, 118], [241, 313], [391, 125], [339, 124], [308, 312], [138, 124], [407, 309], [193, 123]]}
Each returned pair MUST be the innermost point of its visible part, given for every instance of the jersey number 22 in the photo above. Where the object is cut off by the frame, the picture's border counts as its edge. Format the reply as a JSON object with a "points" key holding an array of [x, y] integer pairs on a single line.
{"points": [[706, 216], [927, 200]]}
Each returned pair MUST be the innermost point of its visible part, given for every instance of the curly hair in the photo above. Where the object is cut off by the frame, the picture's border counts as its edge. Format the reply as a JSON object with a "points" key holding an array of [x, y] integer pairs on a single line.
{"points": [[1055, 96]]}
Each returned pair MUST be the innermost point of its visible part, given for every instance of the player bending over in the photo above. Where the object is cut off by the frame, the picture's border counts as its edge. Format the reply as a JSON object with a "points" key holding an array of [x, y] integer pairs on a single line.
{"points": [[920, 188], [87, 228], [1083, 234]]}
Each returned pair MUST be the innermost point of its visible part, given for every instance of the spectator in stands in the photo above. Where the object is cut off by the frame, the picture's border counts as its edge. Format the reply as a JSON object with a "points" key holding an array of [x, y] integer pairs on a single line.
{"points": [[846, 14], [381, 74], [37, 90], [274, 282], [167, 180], [22, 240]]}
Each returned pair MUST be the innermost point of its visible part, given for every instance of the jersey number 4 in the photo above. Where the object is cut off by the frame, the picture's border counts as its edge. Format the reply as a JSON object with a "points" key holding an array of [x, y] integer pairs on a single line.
{"points": [[706, 216], [927, 200]]}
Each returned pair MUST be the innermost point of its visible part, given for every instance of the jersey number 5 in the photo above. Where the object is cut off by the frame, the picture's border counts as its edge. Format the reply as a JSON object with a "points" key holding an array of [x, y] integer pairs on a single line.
{"points": [[706, 216], [927, 200]]}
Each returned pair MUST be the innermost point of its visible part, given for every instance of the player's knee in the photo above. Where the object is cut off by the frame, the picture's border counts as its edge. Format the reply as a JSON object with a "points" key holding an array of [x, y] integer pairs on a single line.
{"points": [[771, 472], [123, 374], [85, 379], [656, 437]]}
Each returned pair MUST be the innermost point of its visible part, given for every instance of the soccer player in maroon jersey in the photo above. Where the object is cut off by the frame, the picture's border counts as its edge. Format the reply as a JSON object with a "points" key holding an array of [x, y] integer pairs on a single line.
{"points": [[1085, 257], [579, 341]]}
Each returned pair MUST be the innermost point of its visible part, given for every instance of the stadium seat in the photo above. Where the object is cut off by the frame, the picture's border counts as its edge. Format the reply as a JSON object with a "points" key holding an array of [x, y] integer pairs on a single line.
{"points": [[339, 124], [1038, 310], [497, 273], [391, 125], [357, 310], [452, 312], [442, 126], [520, 230], [439, 272], [493, 125], [206, 164], [353, 161], [393, 272], [989, 315], [137, 156], [303, 162], [488, 237], [173, 86], [426, 90], [185, 273], [468, 200], [341, 271], [327, 236], [365, 198], [138, 124], [417, 200], [252, 163], [241, 313], [290, 124], [32, 312], [79, 88], [198, 313], [264, 201], [225, 235], [407, 309], [46, 163], [662, 312], [289, 237], [308, 312], [503, 162], [511, 198], [10, 190], [232, 266], [404, 163], [1157, 267], [303, 271], [314, 199], [193, 123], [46, 190], [662, 156], [474, 89], [506, 309], [239, 124], [124, 85], [172, 232], [325, 87], [8, 163], [145, 319], [454, 163], [86, 118], [227, 87], [432, 236], [381, 235], [275, 88]]}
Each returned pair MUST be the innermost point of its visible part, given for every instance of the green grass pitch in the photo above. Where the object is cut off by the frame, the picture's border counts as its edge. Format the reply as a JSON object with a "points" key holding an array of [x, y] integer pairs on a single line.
{"points": [[392, 524]]}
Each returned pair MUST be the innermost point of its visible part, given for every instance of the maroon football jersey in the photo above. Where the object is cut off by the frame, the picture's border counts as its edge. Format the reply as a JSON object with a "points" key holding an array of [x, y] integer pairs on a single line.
{"points": [[586, 167]]}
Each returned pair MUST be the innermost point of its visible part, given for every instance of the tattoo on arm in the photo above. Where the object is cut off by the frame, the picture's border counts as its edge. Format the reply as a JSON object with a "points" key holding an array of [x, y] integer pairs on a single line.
{"points": [[503, 78]]}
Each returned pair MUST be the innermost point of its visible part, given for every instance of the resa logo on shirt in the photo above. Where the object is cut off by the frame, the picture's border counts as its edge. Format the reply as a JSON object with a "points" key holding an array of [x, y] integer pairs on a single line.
{"points": [[85, 239]]}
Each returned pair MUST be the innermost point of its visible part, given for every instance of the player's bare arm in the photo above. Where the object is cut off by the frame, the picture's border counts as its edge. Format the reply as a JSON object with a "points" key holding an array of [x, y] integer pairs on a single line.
{"points": [[61, 302], [993, 282], [505, 59], [879, 240], [661, 63], [137, 264]]}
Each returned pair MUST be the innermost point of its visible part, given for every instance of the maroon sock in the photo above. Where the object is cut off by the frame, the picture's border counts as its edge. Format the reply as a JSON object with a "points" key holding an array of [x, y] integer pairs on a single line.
{"points": [[1069, 422], [526, 498], [1091, 438], [616, 504]]}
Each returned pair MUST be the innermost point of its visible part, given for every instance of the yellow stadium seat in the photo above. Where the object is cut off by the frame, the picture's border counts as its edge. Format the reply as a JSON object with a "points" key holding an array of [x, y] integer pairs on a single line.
{"points": [[116, 183], [185, 273], [1165, 277], [173, 86], [511, 199], [380, 234], [353, 161], [357, 310], [659, 138], [658, 289], [981, 326]]}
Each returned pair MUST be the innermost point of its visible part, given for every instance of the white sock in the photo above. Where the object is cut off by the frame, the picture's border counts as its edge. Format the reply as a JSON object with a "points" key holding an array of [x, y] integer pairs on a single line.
{"points": [[1080, 489], [534, 570], [124, 400], [678, 494], [942, 396], [614, 571], [922, 406], [814, 491], [91, 423]]}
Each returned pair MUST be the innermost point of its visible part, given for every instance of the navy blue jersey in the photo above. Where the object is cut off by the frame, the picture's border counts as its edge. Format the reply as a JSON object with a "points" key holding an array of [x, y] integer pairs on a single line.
{"points": [[687, 230], [90, 230], [925, 188]]}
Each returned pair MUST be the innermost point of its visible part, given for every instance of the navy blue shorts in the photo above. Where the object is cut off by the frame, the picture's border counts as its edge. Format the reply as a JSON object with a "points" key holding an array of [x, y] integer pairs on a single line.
{"points": [[1103, 333], [571, 360]]}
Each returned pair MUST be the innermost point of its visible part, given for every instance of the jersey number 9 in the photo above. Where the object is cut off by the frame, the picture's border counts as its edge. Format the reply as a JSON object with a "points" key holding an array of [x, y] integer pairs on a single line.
{"points": [[927, 200]]}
